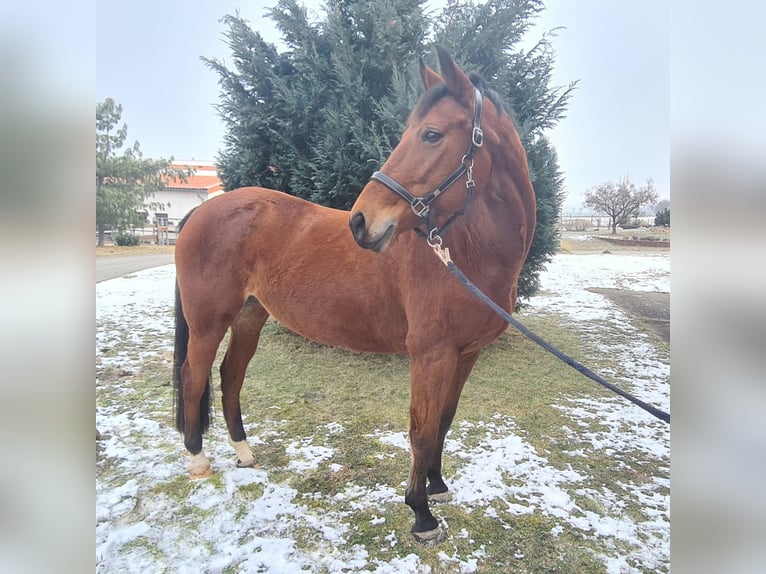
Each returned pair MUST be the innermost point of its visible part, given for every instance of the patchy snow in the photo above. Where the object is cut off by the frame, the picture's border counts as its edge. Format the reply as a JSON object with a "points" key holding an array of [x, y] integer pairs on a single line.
{"points": [[609, 332], [306, 456], [564, 284], [247, 523], [622, 429]]}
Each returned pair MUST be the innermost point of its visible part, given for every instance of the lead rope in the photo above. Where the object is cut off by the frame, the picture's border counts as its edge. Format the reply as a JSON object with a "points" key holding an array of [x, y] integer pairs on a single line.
{"points": [[435, 241]]}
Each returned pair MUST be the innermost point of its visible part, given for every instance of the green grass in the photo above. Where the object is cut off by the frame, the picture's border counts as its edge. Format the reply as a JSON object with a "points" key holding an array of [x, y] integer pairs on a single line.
{"points": [[298, 387], [513, 377]]}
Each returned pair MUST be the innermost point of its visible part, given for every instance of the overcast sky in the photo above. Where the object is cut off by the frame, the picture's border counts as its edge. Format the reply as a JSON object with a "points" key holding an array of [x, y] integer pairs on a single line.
{"points": [[618, 123]]}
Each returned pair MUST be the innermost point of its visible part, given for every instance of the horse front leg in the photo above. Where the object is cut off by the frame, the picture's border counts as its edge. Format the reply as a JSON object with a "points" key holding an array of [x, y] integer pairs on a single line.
{"points": [[437, 489], [431, 376]]}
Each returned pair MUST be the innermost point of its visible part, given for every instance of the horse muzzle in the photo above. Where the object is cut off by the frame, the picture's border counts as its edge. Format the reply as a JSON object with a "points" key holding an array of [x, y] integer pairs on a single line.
{"points": [[377, 239]]}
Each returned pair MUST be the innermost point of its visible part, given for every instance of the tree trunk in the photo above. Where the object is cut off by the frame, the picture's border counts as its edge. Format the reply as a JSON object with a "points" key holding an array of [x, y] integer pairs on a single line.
{"points": [[101, 234], [614, 226]]}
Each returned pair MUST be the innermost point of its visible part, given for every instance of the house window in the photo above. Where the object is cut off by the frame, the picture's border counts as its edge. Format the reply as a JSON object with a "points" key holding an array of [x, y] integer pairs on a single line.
{"points": [[161, 219]]}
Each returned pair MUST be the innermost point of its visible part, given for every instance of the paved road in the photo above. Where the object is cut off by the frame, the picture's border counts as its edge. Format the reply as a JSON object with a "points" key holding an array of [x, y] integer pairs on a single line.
{"points": [[111, 267], [651, 308]]}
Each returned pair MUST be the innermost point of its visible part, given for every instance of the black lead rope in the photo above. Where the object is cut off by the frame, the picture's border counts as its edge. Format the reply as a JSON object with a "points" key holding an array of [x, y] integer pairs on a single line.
{"points": [[444, 256]]}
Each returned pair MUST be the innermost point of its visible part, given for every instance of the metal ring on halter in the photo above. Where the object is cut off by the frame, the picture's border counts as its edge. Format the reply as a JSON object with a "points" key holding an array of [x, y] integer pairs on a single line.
{"points": [[434, 239], [467, 163]]}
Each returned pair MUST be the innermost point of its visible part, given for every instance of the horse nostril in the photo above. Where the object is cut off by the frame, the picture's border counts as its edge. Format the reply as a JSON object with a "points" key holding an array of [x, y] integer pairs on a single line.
{"points": [[358, 226]]}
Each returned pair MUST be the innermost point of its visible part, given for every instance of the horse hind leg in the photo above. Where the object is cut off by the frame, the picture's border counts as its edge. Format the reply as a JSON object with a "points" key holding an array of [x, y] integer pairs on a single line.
{"points": [[195, 377], [245, 333], [200, 328]]}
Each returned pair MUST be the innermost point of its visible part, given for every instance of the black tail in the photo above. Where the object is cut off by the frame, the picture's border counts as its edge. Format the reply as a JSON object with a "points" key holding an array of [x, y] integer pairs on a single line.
{"points": [[179, 357]]}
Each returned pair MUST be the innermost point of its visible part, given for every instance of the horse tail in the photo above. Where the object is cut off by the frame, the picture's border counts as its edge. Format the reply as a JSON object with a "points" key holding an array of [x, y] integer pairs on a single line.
{"points": [[179, 356], [180, 352]]}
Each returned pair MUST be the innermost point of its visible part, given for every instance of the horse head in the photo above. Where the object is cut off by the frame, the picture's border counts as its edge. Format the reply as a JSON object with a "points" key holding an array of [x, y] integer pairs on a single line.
{"points": [[429, 176]]}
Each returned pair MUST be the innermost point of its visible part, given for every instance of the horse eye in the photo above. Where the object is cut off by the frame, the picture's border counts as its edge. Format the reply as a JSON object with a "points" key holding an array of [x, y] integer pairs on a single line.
{"points": [[431, 136]]}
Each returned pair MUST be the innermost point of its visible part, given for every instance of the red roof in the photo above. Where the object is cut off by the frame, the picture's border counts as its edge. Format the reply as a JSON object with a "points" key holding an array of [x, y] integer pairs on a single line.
{"points": [[205, 177]]}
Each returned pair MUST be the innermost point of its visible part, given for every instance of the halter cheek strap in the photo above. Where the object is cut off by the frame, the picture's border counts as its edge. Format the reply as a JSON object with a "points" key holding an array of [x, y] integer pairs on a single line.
{"points": [[421, 206]]}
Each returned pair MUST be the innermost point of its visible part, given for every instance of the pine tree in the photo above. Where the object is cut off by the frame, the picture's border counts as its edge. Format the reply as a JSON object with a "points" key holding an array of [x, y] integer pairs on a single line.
{"points": [[662, 218], [316, 119]]}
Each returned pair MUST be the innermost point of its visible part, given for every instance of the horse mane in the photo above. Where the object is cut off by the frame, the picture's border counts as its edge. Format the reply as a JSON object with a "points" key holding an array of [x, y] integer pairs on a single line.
{"points": [[185, 219], [500, 104], [430, 98]]}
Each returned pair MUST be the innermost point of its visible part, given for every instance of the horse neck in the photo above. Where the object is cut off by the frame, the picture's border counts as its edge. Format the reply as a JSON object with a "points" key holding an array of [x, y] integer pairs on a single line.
{"points": [[476, 241], [492, 239]]}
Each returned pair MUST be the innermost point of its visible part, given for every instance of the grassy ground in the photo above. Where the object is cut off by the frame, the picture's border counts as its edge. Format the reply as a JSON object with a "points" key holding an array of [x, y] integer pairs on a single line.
{"points": [[589, 242], [306, 387], [125, 251], [297, 393]]}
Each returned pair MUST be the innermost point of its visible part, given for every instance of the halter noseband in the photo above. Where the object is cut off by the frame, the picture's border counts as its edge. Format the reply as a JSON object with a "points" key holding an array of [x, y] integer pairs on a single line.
{"points": [[421, 206]]}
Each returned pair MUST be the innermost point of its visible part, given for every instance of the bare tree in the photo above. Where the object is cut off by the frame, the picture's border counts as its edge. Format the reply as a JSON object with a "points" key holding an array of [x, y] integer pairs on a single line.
{"points": [[620, 201]]}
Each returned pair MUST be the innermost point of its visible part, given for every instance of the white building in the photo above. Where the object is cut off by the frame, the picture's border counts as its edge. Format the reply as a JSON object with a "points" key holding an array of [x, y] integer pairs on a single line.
{"points": [[166, 208]]}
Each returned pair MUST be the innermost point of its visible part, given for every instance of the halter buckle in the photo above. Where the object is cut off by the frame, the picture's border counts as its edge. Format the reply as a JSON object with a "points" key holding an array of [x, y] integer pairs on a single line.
{"points": [[477, 137]]}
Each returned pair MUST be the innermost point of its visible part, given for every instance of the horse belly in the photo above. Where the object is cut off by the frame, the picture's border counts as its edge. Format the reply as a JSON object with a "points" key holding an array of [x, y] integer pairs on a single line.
{"points": [[326, 317]]}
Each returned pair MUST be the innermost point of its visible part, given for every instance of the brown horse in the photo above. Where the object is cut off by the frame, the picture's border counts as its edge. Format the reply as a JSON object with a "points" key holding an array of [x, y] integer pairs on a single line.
{"points": [[253, 252]]}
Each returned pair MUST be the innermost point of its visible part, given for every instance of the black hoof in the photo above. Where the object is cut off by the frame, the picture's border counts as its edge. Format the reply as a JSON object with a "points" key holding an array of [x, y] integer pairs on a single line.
{"points": [[445, 496], [430, 537]]}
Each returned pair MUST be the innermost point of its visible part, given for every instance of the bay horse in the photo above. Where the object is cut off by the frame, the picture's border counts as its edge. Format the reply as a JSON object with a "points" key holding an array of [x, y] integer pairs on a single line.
{"points": [[253, 253]]}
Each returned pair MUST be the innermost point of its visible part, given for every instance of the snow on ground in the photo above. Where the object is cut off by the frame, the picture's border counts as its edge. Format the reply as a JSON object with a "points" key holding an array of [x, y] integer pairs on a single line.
{"points": [[608, 332], [222, 528], [646, 374]]}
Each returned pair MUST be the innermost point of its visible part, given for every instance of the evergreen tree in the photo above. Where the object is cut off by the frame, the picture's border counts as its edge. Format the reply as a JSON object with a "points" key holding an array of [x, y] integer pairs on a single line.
{"points": [[662, 218], [317, 118]]}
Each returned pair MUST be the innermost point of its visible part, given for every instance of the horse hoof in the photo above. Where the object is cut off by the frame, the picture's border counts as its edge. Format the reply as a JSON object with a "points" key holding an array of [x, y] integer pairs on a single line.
{"points": [[251, 464], [445, 496], [199, 466], [203, 473], [430, 537]]}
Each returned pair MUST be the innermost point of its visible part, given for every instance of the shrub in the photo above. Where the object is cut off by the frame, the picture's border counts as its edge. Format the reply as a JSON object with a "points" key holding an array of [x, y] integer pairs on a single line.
{"points": [[125, 239], [662, 218]]}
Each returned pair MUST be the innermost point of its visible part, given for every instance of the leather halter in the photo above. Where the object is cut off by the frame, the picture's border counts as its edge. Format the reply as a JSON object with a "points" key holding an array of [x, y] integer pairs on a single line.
{"points": [[421, 206]]}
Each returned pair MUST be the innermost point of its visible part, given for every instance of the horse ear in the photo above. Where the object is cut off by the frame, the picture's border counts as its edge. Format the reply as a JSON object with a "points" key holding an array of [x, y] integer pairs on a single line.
{"points": [[458, 84], [429, 77]]}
